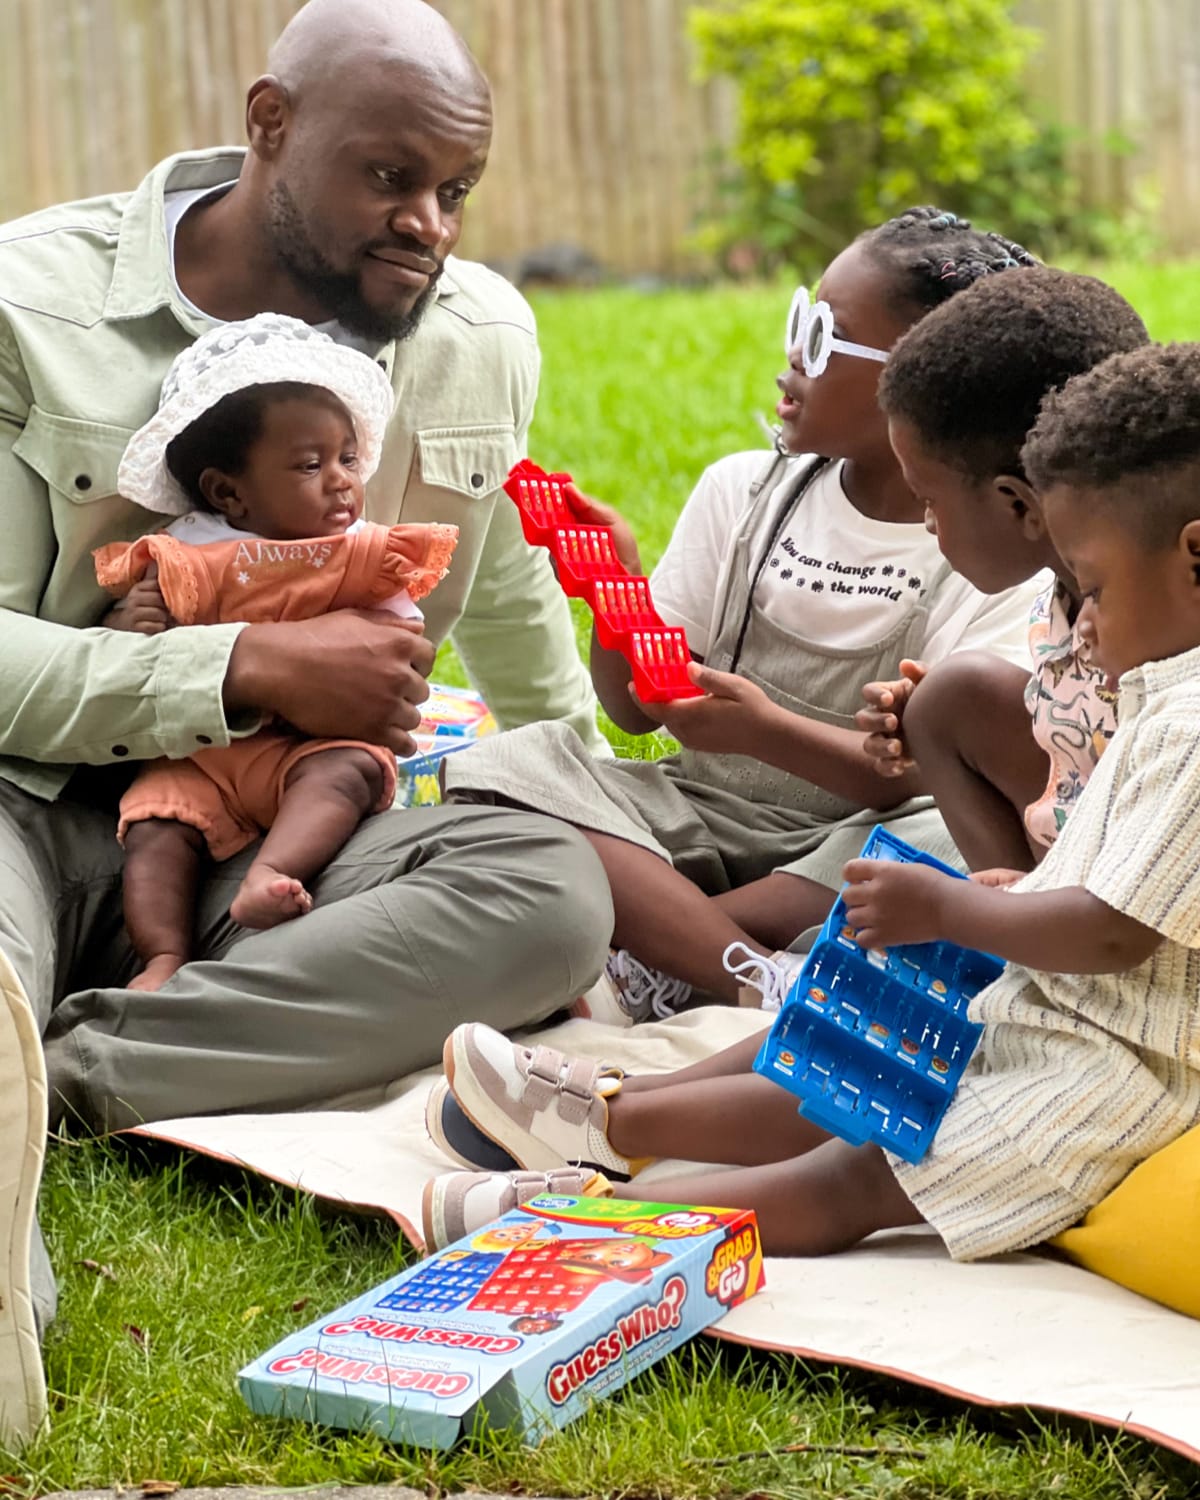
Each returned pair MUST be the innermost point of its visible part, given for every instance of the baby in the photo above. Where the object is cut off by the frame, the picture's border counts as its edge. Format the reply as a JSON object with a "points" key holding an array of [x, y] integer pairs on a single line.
{"points": [[264, 439]]}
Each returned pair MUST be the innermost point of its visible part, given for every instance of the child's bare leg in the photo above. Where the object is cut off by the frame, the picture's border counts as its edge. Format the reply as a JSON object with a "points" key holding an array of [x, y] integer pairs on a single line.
{"points": [[667, 921], [823, 1201], [970, 733], [777, 908], [741, 1119], [161, 874], [326, 796], [730, 1061]]}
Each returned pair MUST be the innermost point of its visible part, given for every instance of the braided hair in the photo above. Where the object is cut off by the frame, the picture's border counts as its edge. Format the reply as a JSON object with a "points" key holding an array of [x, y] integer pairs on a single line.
{"points": [[934, 254]]}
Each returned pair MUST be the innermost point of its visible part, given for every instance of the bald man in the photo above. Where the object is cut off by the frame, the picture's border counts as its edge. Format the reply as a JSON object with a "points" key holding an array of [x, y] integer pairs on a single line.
{"points": [[366, 136]]}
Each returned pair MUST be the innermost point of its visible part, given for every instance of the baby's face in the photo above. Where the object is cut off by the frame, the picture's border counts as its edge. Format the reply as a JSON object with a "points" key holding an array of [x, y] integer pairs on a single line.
{"points": [[301, 477]]}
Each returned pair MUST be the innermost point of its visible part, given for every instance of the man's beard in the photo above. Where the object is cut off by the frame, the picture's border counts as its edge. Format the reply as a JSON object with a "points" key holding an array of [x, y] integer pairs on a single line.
{"points": [[339, 292]]}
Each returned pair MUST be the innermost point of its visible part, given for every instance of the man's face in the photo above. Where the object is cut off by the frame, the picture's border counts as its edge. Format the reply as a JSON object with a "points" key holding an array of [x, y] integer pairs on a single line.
{"points": [[368, 195]]}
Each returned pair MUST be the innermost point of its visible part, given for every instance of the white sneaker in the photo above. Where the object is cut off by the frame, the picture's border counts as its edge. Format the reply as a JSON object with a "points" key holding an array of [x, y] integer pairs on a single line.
{"points": [[461, 1203], [22, 1141], [766, 982], [643, 993], [544, 1109]]}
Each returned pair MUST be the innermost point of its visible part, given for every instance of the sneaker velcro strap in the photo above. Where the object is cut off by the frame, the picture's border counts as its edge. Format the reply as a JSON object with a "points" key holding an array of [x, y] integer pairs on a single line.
{"points": [[577, 1091], [543, 1078]]}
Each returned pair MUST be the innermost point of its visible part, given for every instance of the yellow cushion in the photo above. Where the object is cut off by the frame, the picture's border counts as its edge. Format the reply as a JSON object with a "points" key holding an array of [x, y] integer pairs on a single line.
{"points": [[1146, 1233]]}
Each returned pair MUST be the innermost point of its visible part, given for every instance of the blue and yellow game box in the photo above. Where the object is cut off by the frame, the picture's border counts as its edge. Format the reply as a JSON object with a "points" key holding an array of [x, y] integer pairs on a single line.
{"points": [[521, 1326]]}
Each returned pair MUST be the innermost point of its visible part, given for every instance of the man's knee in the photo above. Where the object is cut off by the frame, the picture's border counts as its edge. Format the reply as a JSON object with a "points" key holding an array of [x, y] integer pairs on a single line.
{"points": [[568, 899]]}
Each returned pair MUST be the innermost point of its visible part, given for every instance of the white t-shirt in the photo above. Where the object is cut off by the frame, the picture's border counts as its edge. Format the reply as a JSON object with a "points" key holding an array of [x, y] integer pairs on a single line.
{"points": [[198, 527], [833, 575]]}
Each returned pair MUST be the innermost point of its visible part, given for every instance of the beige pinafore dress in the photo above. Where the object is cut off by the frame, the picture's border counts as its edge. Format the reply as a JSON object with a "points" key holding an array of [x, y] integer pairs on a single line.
{"points": [[725, 820]]}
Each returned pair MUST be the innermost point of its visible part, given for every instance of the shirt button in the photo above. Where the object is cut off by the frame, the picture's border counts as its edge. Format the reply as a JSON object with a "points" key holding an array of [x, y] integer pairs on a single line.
{"points": [[476, 480], [83, 481], [120, 749], [204, 739]]}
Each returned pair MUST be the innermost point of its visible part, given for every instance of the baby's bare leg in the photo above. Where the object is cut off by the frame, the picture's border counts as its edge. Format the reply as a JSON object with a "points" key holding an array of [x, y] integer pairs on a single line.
{"points": [[326, 796], [815, 1204], [162, 871]]}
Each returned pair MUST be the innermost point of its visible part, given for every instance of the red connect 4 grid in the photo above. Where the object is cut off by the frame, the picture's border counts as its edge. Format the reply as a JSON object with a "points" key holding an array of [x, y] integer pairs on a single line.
{"points": [[589, 569]]}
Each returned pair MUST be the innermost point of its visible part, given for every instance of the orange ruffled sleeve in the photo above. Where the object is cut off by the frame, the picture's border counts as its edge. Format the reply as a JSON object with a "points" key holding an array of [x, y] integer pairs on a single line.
{"points": [[386, 559], [182, 576]]}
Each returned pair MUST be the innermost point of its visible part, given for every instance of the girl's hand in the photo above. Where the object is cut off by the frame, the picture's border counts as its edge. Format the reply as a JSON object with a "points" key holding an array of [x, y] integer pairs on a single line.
{"points": [[726, 721], [591, 512], [889, 903], [882, 719], [143, 609], [999, 879]]}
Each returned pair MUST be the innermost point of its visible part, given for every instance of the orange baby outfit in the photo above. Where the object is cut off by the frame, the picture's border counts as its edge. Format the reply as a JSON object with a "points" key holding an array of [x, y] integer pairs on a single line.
{"points": [[231, 793]]}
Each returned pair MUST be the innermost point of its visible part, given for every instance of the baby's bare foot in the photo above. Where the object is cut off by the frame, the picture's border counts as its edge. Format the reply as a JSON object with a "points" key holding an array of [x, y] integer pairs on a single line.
{"points": [[267, 897], [157, 972]]}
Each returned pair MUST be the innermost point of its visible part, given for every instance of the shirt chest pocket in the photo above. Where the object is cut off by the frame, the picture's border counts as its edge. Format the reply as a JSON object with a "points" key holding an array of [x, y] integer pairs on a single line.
{"points": [[463, 465], [77, 459]]}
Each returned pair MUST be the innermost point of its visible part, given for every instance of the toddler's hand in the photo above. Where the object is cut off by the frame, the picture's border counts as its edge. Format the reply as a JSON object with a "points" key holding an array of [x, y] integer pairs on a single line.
{"points": [[882, 719], [143, 609], [998, 879], [723, 722], [888, 903], [591, 512]]}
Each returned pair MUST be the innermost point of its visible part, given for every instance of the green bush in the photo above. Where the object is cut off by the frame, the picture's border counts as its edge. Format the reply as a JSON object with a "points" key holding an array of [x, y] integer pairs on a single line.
{"points": [[850, 110]]}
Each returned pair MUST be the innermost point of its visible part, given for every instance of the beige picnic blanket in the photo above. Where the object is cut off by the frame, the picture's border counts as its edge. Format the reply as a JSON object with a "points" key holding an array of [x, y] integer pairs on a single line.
{"points": [[1022, 1330]]}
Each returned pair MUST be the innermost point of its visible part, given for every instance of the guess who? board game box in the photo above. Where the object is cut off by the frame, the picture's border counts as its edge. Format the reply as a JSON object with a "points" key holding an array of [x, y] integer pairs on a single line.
{"points": [[522, 1326]]}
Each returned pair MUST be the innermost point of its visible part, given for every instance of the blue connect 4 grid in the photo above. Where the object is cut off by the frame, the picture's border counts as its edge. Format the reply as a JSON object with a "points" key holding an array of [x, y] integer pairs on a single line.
{"points": [[875, 1043]]}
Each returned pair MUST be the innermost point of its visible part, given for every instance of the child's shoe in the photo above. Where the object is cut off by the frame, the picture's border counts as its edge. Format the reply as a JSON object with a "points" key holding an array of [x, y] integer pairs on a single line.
{"points": [[542, 1108], [22, 1133], [643, 993], [766, 982], [458, 1137], [460, 1203]]}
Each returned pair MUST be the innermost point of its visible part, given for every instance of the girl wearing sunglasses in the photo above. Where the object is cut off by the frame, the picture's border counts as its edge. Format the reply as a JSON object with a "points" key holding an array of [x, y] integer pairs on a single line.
{"points": [[797, 576]]}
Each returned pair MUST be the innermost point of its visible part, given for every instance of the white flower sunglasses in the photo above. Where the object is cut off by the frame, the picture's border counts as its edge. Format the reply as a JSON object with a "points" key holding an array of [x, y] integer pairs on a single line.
{"points": [[810, 324]]}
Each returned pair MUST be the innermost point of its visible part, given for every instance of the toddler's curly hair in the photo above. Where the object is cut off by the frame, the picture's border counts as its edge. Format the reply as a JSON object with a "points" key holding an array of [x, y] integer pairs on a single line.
{"points": [[970, 377], [1129, 433]]}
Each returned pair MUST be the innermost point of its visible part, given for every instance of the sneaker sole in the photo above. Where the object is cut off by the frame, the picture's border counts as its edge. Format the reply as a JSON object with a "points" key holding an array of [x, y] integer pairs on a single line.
{"points": [[22, 1145], [428, 1227], [525, 1149], [456, 1135]]}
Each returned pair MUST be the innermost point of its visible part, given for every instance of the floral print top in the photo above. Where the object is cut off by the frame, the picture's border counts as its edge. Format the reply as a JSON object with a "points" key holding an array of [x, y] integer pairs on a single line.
{"points": [[1074, 712]]}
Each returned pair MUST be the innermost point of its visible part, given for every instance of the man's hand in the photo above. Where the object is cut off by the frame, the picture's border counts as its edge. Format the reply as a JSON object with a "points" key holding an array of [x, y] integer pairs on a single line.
{"points": [[728, 720], [890, 903], [882, 720], [589, 512], [354, 674], [143, 608]]}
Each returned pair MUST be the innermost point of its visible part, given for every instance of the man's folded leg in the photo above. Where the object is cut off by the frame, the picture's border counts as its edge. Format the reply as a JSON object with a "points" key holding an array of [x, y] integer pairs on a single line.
{"points": [[427, 918], [59, 906]]}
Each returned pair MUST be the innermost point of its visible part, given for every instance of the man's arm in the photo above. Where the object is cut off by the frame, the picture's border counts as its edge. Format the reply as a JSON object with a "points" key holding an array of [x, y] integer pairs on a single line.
{"points": [[517, 639], [515, 635]]}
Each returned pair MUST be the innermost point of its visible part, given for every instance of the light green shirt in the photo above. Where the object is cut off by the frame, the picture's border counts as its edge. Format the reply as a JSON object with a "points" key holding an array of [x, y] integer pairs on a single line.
{"points": [[90, 320]]}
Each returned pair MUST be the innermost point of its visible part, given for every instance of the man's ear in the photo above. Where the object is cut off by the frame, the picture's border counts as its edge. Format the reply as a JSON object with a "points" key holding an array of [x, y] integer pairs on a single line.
{"points": [[221, 493], [1019, 497], [268, 114]]}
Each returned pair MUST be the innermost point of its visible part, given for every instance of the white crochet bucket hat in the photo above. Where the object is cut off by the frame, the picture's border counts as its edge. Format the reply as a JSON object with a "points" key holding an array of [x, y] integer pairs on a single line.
{"points": [[260, 351]]}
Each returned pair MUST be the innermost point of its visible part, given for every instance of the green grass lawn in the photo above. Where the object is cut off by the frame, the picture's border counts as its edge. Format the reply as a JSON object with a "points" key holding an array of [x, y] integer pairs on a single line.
{"points": [[208, 1267]]}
